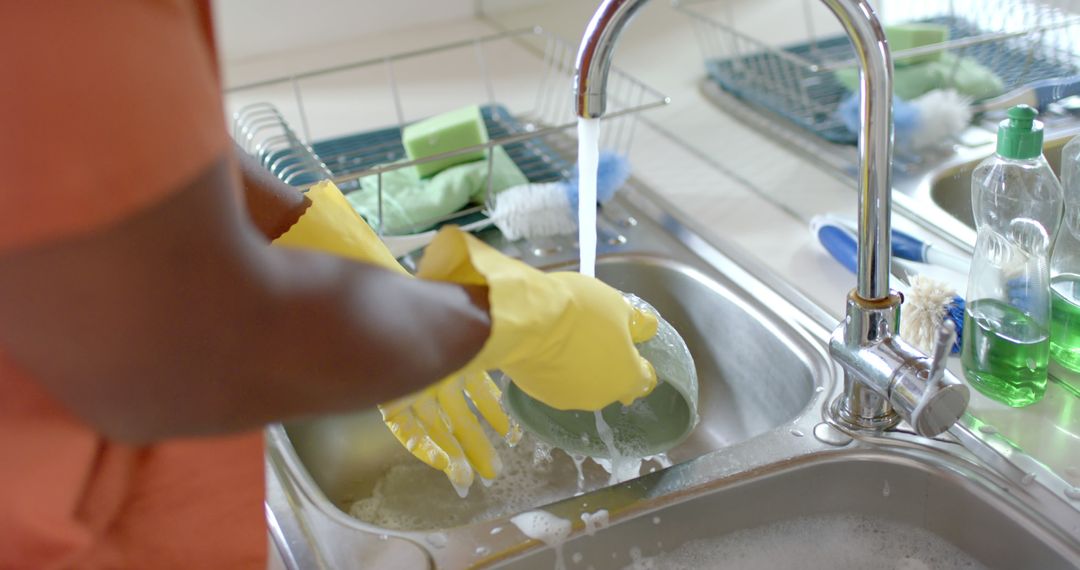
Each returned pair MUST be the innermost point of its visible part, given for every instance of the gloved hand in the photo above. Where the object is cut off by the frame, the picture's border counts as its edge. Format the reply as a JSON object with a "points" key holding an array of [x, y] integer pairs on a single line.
{"points": [[435, 424], [565, 339]]}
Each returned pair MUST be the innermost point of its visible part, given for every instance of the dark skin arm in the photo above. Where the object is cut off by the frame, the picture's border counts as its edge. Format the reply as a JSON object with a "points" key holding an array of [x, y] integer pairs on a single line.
{"points": [[272, 205], [180, 320]]}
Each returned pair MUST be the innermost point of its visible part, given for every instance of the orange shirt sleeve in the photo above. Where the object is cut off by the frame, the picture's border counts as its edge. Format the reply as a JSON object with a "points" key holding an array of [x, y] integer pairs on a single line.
{"points": [[106, 107]]}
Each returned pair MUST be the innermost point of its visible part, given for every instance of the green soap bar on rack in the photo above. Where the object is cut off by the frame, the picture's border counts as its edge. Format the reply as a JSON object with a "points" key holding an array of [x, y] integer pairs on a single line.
{"points": [[909, 36], [444, 133]]}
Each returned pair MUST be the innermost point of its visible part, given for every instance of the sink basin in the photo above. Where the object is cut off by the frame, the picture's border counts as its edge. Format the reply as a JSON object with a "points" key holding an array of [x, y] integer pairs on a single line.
{"points": [[754, 374], [761, 454], [907, 499], [950, 188]]}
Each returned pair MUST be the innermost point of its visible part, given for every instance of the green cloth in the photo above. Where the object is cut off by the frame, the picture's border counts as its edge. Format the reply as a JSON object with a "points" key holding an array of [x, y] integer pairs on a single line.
{"points": [[965, 75], [409, 199]]}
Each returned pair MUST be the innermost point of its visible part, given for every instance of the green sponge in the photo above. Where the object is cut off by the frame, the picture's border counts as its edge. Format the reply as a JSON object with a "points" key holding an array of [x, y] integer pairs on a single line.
{"points": [[444, 133], [909, 36]]}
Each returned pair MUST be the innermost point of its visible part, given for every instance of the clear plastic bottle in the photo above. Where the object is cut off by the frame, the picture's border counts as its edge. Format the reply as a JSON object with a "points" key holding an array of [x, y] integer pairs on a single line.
{"points": [[1017, 204], [1065, 272]]}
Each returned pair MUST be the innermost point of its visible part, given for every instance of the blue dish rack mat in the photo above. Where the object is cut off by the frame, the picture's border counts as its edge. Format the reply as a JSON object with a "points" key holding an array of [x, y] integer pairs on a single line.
{"points": [[1012, 64], [353, 154]]}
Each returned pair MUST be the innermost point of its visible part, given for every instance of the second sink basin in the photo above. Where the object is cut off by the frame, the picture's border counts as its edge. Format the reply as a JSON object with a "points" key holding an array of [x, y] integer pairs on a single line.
{"points": [[950, 188], [861, 509]]}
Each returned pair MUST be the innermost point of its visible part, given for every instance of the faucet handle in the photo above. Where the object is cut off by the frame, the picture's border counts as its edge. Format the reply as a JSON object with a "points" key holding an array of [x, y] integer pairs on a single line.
{"points": [[924, 396], [943, 342]]}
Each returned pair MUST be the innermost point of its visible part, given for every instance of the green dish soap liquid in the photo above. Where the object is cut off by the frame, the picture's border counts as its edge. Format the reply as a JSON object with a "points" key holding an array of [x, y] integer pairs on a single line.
{"points": [[1005, 353], [1065, 326], [1065, 278]]}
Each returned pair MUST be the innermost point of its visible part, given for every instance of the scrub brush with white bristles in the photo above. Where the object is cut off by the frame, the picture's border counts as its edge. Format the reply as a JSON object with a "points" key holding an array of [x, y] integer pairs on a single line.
{"points": [[549, 209], [927, 302]]}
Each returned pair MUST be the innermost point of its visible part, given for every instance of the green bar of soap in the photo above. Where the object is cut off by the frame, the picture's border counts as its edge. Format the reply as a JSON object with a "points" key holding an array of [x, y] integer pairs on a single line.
{"points": [[444, 133], [909, 36]]}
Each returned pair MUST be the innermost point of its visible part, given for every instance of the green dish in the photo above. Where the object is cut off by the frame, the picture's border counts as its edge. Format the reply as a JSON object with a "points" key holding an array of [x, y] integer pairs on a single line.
{"points": [[652, 425]]}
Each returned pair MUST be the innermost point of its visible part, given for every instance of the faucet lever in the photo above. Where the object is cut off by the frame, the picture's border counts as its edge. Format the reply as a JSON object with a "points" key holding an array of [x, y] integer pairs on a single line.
{"points": [[946, 336]]}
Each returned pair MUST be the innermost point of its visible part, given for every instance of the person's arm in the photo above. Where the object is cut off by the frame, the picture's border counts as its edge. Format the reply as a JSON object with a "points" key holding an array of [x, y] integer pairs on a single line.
{"points": [[272, 205], [180, 320]]}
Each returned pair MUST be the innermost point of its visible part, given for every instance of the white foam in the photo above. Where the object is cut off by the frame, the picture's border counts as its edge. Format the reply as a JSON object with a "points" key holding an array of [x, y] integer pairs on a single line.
{"points": [[836, 541], [547, 528], [412, 496], [595, 521], [622, 467]]}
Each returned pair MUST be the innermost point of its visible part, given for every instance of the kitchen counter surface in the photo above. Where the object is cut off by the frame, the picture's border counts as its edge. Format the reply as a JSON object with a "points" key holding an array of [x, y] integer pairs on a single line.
{"points": [[736, 184]]}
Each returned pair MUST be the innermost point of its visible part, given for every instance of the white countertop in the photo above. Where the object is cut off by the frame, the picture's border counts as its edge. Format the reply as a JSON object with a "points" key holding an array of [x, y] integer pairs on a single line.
{"points": [[742, 187]]}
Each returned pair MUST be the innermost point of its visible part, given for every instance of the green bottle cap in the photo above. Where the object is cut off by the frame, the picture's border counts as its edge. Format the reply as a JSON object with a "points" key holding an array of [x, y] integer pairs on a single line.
{"points": [[1020, 136]]}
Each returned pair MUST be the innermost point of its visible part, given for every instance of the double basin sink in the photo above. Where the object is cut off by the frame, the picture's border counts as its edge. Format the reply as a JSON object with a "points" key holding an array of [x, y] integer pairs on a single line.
{"points": [[763, 453]]}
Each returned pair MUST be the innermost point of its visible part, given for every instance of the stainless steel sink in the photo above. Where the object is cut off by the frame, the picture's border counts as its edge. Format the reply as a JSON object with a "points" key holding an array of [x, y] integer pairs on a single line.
{"points": [[911, 488], [754, 371], [763, 451], [758, 371]]}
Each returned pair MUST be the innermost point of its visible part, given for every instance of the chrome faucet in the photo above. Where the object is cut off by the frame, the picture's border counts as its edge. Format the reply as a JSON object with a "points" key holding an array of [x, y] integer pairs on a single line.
{"points": [[885, 378]]}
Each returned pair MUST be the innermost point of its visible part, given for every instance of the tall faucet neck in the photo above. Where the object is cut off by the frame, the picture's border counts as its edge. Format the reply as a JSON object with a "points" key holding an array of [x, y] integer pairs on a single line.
{"points": [[875, 143]]}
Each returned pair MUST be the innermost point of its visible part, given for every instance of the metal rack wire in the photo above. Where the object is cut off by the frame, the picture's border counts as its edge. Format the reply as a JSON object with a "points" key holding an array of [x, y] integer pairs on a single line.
{"points": [[1020, 41], [342, 111]]}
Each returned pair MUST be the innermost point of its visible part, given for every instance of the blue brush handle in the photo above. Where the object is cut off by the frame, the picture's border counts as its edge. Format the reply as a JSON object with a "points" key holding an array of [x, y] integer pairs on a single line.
{"points": [[904, 245], [909, 247], [841, 244]]}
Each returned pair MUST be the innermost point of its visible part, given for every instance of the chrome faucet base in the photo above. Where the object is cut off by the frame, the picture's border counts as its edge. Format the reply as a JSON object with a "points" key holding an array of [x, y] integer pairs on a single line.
{"points": [[866, 324]]}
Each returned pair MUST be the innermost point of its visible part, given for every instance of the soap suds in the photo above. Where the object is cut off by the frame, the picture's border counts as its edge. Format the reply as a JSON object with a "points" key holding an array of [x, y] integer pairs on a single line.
{"points": [[413, 496], [547, 528], [836, 541]]}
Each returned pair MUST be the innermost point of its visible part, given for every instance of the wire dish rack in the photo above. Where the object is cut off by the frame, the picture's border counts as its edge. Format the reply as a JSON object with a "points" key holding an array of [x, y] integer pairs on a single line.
{"points": [[1020, 41], [332, 123]]}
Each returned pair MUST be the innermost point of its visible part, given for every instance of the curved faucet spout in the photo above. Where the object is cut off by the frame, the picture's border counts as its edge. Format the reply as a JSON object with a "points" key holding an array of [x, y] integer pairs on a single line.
{"points": [[875, 135], [882, 374], [595, 53]]}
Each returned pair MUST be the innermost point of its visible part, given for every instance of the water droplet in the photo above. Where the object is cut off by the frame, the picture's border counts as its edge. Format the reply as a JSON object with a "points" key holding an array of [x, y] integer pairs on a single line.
{"points": [[1073, 493], [830, 435], [1028, 479], [885, 490], [436, 539], [988, 429], [384, 537], [656, 520], [1032, 365], [796, 432], [576, 558], [496, 530], [482, 551], [819, 389]]}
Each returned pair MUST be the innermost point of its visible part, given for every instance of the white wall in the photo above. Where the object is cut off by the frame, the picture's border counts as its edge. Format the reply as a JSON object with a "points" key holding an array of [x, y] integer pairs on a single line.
{"points": [[250, 28]]}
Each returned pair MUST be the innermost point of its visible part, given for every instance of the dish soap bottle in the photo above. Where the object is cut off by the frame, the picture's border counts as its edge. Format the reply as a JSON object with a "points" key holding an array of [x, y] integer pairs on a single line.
{"points": [[1017, 202], [1065, 272]]}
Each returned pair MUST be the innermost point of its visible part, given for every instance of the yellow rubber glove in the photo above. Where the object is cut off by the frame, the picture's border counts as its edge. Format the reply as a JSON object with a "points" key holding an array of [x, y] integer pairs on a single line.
{"points": [[565, 339], [435, 424]]}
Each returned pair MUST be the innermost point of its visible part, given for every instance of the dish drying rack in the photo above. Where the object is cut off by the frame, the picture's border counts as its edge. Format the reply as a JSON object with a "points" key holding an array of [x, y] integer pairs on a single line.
{"points": [[1021, 41], [331, 123]]}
